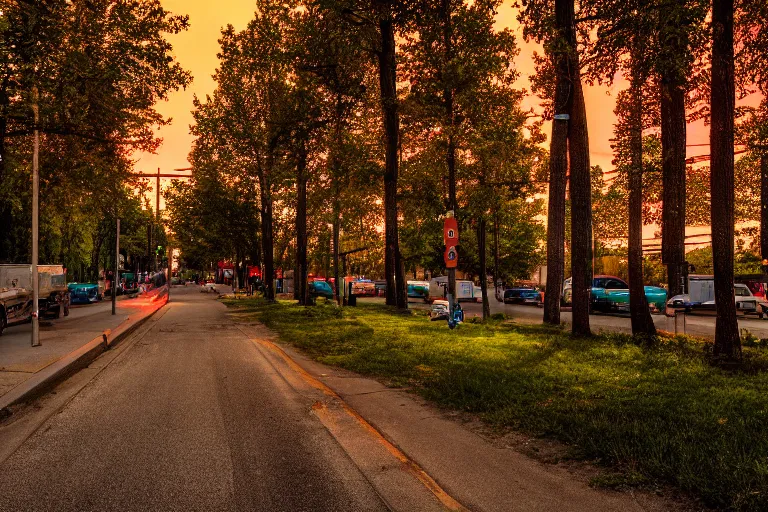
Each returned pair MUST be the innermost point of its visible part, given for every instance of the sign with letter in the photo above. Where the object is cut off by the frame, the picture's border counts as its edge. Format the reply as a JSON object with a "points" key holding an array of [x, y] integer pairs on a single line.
{"points": [[451, 257], [450, 232]]}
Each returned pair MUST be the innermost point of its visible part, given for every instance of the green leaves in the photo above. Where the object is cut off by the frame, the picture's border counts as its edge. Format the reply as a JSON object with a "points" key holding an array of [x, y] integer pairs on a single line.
{"points": [[100, 66]]}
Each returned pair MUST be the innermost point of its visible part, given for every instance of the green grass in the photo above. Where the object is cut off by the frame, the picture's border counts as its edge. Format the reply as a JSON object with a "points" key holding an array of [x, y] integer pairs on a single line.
{"points": [[660, 413]]}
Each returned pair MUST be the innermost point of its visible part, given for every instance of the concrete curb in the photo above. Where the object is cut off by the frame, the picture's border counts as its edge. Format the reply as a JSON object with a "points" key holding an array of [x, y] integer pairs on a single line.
{"points": [[76, 360]]}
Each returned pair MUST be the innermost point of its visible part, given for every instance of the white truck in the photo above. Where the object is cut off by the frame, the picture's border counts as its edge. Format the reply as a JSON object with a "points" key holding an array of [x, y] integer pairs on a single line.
{"points": [[701, 297], [465, 290], [16, 293]]}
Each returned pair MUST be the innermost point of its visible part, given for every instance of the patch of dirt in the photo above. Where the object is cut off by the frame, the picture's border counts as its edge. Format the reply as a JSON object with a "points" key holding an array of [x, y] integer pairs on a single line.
{"points": [[650, 495]]}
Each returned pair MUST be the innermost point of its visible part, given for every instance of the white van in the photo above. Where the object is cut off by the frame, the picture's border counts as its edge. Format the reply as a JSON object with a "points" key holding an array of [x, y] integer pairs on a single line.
{"points": [[438, 286]]}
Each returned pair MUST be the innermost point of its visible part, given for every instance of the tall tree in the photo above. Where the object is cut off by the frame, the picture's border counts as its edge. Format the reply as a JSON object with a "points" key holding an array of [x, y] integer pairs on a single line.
{"points": [[560, 80], [581, 188], [552, 82], [622, 43], [680, 38], [100, 68], [255, 120], [333, 53], [723, 104], [460, 69], [393, 265]]}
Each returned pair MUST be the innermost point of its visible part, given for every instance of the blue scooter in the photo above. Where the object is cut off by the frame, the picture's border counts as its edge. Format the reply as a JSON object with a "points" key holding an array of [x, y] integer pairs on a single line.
{"points": [[455, 316]]}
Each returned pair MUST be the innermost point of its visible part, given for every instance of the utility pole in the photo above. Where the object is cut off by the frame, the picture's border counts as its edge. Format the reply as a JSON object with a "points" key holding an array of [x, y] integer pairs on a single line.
{"points": [[157, 209], [35, 223], [152, 246], [169, 251], [116, 275]]}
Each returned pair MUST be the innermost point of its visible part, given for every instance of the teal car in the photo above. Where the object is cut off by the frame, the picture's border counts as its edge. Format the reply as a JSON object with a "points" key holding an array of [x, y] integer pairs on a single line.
{"points": [[320, 289], [418, 290], [611, 294], [84, 293]]}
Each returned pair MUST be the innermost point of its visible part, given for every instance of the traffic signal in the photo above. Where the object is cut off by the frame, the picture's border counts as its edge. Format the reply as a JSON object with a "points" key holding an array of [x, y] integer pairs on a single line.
{"points": [[160, 251]]}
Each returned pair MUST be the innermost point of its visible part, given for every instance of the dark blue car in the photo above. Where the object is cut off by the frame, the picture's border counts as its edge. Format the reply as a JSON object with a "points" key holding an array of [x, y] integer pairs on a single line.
{"points": [[522, 295]]}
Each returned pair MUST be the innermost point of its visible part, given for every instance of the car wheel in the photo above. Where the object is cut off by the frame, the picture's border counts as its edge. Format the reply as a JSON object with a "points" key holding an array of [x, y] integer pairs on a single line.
{"points": [[3, 323]]}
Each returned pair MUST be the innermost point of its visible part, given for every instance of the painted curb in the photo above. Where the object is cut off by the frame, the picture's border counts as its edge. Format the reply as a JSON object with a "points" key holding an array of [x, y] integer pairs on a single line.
{"points": [[71, 363]]}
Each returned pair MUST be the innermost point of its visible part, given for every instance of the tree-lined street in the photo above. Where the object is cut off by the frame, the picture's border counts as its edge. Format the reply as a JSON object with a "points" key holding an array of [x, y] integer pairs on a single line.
{"points": [[341, 158], [195, 414]]}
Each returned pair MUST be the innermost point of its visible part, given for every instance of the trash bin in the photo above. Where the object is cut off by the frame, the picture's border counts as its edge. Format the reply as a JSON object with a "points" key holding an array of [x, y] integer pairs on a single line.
{"points": [[352, 300]]}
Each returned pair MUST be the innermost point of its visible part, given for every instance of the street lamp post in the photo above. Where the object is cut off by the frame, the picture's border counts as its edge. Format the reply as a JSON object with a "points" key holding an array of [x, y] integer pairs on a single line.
{"points": [[157, 209], [35, 223], [116, 275]]}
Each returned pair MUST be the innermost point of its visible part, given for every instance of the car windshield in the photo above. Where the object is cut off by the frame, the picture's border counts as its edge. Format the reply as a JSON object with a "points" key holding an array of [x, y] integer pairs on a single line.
{"points": [[615, 284], [742, 291]]}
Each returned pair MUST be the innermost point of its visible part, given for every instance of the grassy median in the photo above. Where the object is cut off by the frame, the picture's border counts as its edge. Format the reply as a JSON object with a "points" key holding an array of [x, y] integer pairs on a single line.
{"points": [[660, 412]]}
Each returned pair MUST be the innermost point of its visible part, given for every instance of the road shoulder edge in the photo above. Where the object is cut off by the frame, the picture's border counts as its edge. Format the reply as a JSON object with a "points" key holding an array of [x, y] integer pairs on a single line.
{"points": [[409, 465]]}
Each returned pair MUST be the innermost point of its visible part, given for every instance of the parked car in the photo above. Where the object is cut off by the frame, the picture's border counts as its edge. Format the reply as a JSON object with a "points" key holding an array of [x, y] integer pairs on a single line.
{"points": [[364, 288], [439, 310], [611, 294], [320, 289], [522, 295], [701, 298], [84, 293], [381, 288], [418, 290]]}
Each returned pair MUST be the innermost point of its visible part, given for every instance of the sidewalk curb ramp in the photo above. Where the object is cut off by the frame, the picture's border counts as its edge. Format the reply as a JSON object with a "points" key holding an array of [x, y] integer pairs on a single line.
{"points": [[48, 377]]}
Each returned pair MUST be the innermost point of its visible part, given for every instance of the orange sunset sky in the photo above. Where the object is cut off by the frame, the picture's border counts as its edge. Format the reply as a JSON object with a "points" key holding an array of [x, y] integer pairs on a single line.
{"points": [[196, 50]]}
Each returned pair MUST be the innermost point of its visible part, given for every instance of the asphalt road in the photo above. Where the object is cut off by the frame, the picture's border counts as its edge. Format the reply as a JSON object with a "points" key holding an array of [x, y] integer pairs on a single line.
{"points": [[695, 325], [192, 417]]}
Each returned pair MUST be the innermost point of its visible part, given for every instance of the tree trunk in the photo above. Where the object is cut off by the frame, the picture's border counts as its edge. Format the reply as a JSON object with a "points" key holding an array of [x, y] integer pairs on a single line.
{"points": [[581, 205], [396, 292], [336, 160], [300, 277], [723, 102], [496, 253], [673, 137], [267, 240], [336, 271], [558, 168], [764, 207], [642, 322], [481, 232], [95, 256]]}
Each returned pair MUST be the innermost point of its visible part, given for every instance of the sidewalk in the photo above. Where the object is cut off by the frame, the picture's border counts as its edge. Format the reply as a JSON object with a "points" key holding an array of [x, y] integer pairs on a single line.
{"points": [[21, 364]]}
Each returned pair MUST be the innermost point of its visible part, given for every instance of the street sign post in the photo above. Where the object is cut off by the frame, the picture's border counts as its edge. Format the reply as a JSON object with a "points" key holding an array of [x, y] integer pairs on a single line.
{"points": [[116, 273], [451, 257]]}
